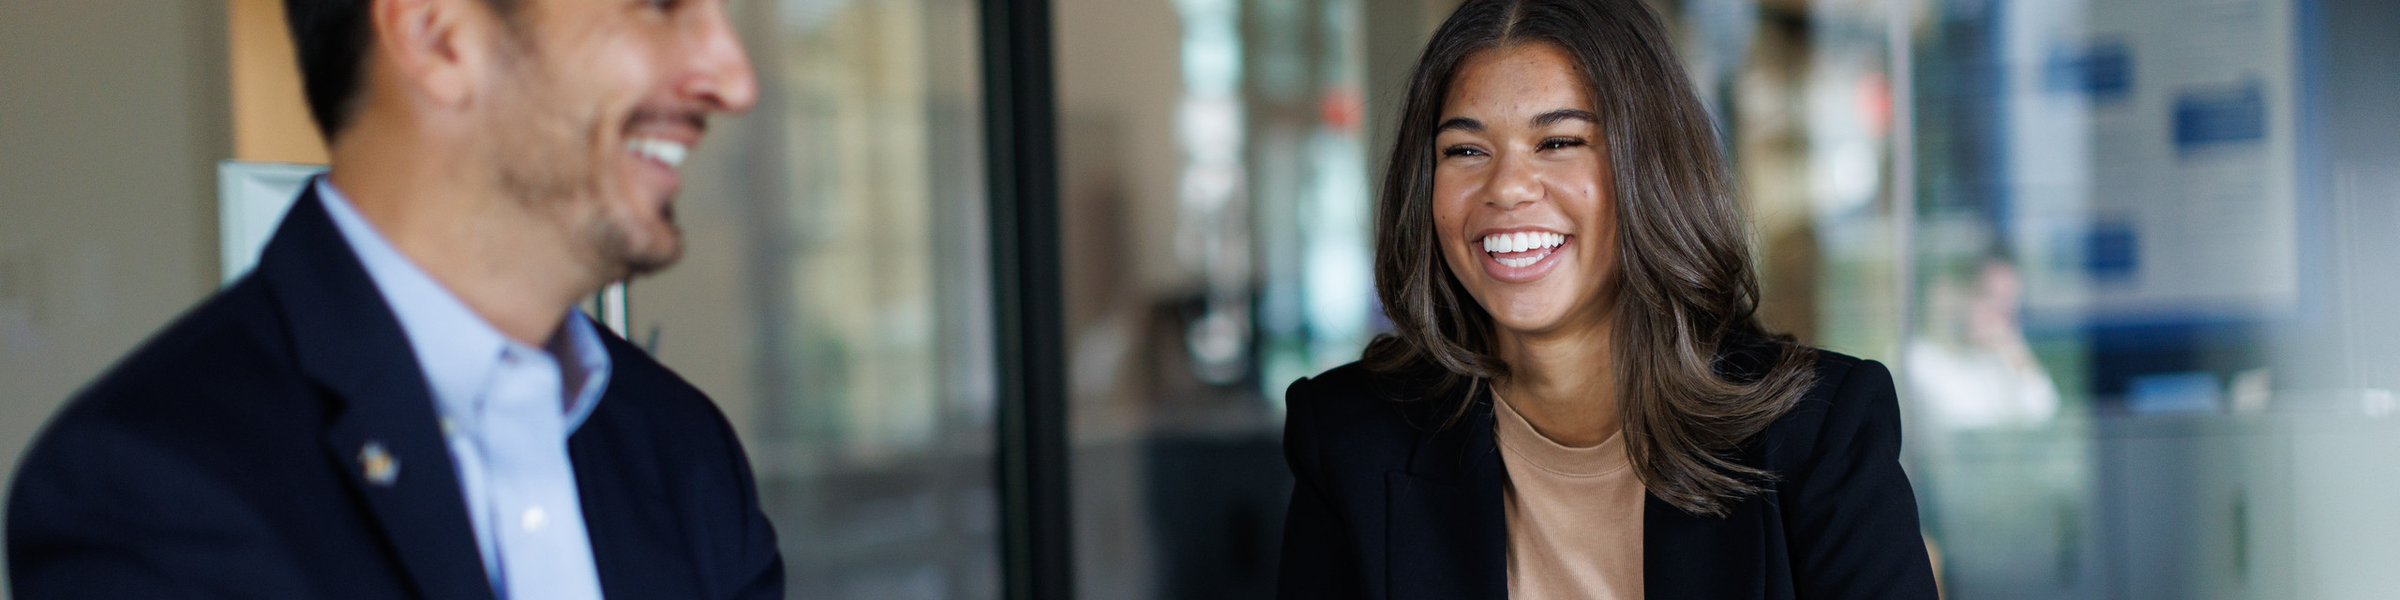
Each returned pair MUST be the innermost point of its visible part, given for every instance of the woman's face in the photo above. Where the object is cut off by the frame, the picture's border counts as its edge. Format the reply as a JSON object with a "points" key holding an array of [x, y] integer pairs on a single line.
{"points": [[1521, 195]]}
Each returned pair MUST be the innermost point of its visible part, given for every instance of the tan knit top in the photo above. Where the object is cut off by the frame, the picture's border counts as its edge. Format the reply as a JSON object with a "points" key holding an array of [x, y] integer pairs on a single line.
{"points": [[1574, 515]]}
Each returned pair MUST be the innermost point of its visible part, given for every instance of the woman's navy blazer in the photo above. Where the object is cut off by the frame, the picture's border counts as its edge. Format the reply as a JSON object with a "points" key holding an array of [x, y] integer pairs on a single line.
{"points": [[1388, 504]]}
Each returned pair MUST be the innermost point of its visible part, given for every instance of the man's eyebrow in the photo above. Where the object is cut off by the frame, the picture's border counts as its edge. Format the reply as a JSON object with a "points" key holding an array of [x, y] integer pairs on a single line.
{"points": [[1553, 117], [1459, 123]]}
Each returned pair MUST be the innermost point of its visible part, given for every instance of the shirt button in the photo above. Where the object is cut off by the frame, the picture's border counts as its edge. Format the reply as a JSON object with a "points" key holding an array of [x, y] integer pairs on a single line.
{"points": [[534, 519]]}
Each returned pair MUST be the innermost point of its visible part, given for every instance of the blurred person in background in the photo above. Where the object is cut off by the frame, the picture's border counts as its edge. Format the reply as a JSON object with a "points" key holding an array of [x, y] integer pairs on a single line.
{"points": [[401, 401], [1972, 368], [1578, 401]]}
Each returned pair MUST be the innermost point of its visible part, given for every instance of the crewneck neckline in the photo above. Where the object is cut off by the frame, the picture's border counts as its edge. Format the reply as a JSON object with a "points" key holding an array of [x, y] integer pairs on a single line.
{"points": [[1518, 437]]}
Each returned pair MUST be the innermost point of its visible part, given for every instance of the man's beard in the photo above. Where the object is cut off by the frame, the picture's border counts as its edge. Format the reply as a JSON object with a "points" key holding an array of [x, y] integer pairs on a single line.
{"points": [[618, 249], [545, 161]]}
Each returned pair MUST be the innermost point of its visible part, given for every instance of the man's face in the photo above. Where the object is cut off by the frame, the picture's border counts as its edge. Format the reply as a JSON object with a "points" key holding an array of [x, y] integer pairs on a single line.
{"points": [[593, 108]]}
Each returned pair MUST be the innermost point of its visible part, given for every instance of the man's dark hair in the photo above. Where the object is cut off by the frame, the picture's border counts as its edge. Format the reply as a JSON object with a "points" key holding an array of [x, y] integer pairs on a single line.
{"points": [[331, 38]]}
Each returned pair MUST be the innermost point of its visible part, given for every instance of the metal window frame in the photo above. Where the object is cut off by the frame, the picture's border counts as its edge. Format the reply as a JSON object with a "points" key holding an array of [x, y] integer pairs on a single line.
{"points": [[1021, 150]]}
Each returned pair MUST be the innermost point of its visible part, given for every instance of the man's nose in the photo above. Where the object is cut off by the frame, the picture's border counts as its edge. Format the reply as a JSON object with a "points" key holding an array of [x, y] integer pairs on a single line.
{"points": [[722, 77]]}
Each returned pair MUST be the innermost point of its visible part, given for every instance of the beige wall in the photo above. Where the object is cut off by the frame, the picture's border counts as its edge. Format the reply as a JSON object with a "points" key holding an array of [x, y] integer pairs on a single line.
{"points": [[270, 116], [111, 122]]}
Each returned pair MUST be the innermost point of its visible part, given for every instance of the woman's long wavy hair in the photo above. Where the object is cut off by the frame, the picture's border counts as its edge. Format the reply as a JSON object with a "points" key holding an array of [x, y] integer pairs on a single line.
{"points": [[1685, 284]]}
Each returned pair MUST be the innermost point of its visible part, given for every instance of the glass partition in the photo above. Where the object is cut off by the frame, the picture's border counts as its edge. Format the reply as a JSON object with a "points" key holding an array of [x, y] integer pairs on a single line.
{"points": [[835, 295], [1216, 206], [2123, 256]]}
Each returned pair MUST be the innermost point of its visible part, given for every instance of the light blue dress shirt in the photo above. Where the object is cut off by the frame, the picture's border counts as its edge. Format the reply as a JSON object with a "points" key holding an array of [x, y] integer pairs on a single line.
{"points": [[506, 411]]}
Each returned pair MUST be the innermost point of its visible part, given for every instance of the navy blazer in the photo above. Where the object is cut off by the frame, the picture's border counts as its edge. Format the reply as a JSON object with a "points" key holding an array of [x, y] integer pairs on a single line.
{"points": [[224, 459], [1390, 505]]}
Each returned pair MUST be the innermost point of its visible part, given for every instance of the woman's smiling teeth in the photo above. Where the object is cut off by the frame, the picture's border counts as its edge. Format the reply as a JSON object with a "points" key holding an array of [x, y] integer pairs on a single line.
{"points": [[657, 150], [1533, 244]]}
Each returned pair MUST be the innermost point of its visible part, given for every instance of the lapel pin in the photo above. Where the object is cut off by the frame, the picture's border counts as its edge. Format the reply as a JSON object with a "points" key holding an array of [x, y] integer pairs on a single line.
{"points": [[379, 466]]}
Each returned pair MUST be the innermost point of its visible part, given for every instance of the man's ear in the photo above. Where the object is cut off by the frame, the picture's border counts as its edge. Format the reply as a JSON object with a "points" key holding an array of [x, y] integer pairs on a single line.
{"points": [[429, 45]]}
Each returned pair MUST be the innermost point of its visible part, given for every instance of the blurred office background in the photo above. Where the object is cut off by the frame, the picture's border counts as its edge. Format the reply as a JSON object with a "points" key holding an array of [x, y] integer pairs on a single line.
{"points": [[2130, 258]]}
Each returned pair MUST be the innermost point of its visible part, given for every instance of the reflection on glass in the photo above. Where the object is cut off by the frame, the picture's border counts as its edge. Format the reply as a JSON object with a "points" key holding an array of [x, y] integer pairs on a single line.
{"points": [[1215, 212], [835, 299]]}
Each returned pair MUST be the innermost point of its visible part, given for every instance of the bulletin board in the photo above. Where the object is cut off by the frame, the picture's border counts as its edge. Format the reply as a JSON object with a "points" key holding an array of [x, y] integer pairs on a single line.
{"points": [[2153, 157]]}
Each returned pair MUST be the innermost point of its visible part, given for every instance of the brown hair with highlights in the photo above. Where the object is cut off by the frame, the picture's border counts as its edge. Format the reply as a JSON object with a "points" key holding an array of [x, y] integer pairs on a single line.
{"points": [[1686, 287]]}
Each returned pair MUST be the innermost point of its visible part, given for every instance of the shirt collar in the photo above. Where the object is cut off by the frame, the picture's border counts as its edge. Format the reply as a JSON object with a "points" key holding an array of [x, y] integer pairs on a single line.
{"points": [[579, 341], [456, 348]]}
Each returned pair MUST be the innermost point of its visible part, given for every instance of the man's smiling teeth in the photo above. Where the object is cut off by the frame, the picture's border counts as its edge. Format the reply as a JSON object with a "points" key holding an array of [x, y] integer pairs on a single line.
{"points": [[665, 152], [1521, 241]]}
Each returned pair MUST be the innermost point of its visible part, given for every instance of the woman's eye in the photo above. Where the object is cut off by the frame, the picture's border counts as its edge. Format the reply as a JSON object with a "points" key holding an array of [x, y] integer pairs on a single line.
{"points": [[665, 5], [1461, 151], [1557, 143]]}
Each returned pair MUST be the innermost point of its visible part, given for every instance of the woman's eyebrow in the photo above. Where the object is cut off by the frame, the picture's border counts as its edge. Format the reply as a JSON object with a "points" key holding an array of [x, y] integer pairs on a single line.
{"points": [[1553, 117], [1460, 123]]}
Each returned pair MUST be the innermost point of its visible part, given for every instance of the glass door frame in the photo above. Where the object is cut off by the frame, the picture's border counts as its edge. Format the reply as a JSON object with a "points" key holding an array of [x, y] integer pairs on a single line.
{"points": [[1028, 297]]}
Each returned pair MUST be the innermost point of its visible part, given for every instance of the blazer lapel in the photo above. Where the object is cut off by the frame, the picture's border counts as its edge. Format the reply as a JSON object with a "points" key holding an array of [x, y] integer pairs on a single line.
{"points": [[633, 533], [1449, 537], [385, 434]]}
